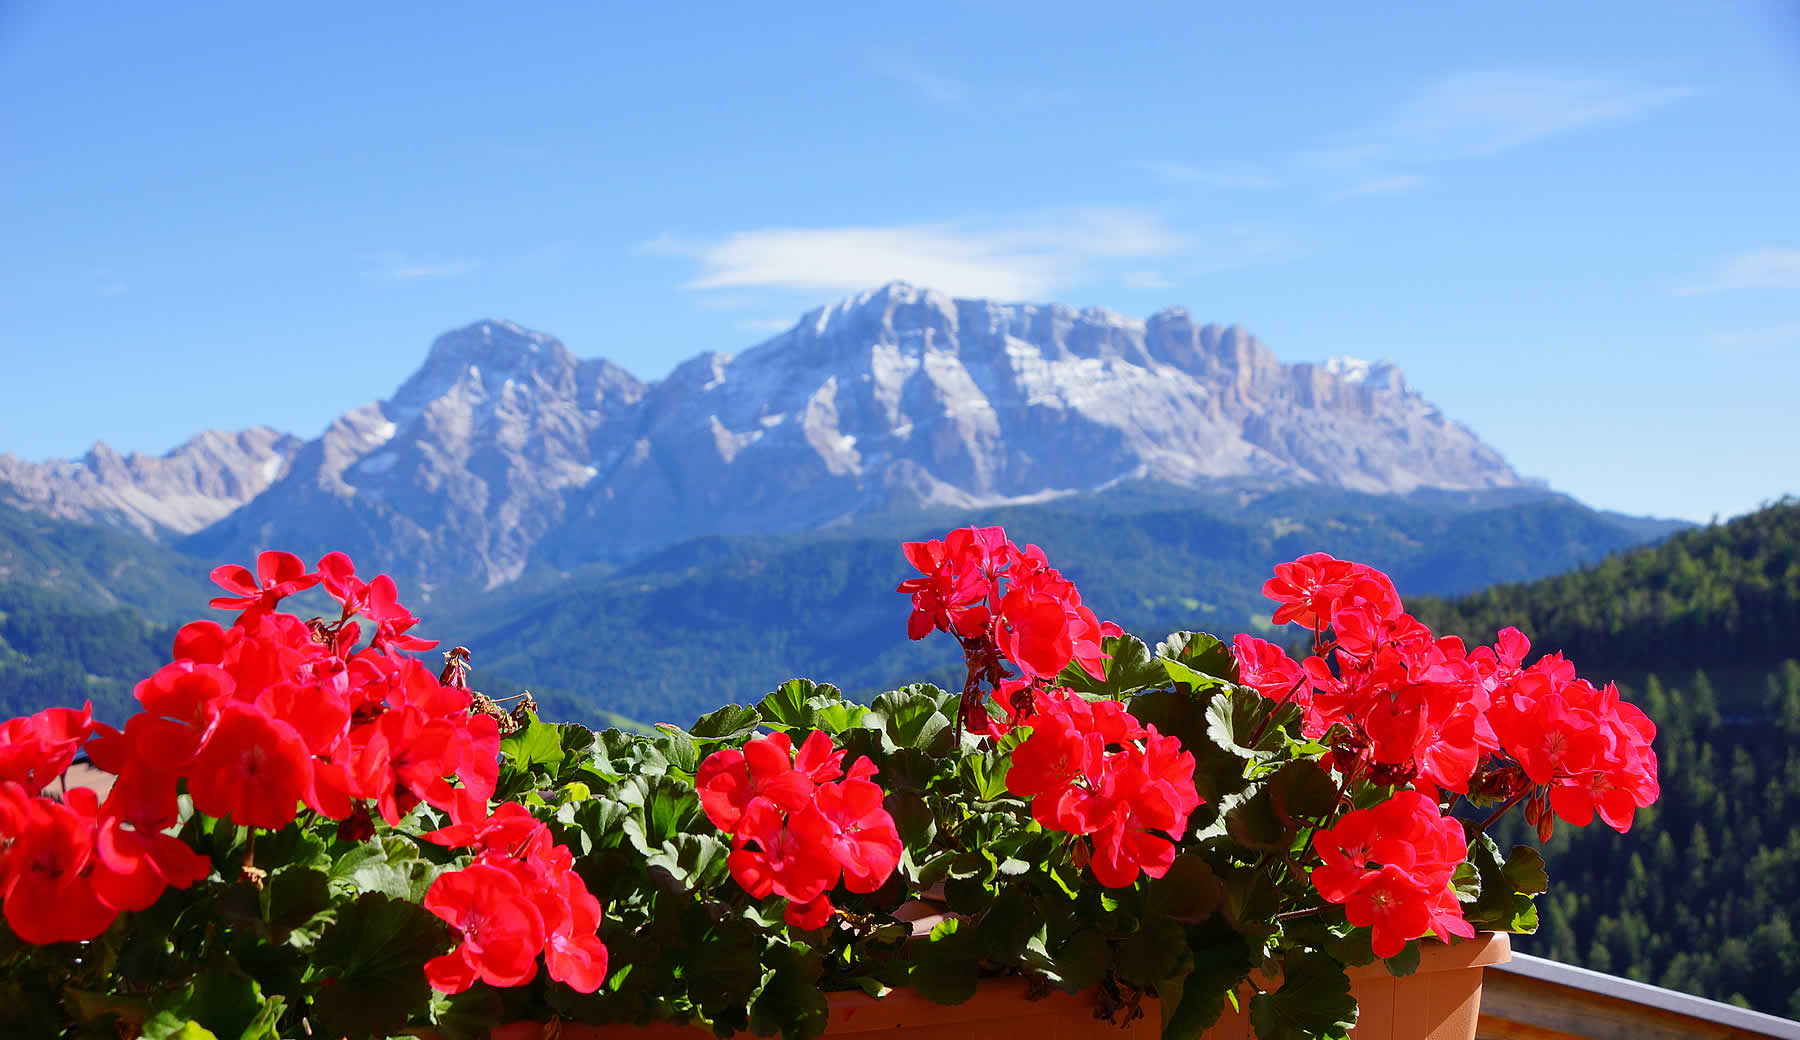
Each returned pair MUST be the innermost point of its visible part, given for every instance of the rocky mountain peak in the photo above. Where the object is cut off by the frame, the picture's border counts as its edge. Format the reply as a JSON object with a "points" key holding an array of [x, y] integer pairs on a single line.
{"points": [[504, 448], [191, 486]]}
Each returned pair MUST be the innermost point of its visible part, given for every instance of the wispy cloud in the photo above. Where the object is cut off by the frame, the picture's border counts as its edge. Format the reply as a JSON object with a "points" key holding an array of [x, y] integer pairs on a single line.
{"points": [[1029, 256], [1785, 334], [1391, 185], [927, 83], [1771, 268], [1208, 175], [1144, 280], [396, 266], [1487, 111]]}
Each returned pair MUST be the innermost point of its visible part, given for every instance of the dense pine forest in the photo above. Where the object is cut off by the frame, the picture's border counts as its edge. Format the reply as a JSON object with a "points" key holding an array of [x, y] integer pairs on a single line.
{"points": [[1703, 893]]}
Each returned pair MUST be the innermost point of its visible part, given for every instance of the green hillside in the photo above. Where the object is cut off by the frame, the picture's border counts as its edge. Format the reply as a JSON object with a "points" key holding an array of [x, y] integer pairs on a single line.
{"points": [[1703, 893], [721, 619], [1727, 594], [101, 567], [55, 650]]}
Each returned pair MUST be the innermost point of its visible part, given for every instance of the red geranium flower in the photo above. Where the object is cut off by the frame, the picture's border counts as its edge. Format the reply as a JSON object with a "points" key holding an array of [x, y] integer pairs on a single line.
{"points": [[500, 930]]}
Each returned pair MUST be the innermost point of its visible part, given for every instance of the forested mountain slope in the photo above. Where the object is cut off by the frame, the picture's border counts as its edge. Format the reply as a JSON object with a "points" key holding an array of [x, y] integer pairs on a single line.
{"points": [[1703, 892], [717, 620]]}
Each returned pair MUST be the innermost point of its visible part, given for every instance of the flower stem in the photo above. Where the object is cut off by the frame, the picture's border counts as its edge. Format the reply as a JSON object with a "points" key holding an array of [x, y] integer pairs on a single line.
{"points": [[1503, 810]]}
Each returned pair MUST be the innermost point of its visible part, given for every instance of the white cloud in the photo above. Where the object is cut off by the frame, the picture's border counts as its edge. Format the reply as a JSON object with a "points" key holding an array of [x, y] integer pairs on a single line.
{"points": [[1486, 111], [1211, 176], [1027, 257], [1772, 268], [397, 266], [1392, 185], [1144, 280]]}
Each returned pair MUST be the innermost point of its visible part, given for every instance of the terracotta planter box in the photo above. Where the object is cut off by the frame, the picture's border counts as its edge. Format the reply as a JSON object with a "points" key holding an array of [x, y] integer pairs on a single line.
{"points": [[1440, 1001]]}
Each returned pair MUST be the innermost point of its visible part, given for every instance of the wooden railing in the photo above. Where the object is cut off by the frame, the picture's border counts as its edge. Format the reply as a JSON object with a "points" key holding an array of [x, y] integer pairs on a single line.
{"points": [[1531, 998]]}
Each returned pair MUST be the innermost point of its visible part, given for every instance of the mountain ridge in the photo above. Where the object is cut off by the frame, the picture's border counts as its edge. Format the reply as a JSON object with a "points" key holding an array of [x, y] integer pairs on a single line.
{"points": [[505, 450], [189, 487]]}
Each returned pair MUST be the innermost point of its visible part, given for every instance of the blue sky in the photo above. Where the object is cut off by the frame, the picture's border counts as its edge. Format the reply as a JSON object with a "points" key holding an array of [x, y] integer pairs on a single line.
{"points": [[1575, 226]]}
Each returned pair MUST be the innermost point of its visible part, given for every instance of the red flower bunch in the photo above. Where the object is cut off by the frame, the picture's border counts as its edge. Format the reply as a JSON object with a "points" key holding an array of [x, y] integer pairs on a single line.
{"points": [[1390, 867], [1585, 750], [1417, 706], [257, 718], [1000, 601], [1090, 769], [521, 897], [798, 822], [68, 868]]}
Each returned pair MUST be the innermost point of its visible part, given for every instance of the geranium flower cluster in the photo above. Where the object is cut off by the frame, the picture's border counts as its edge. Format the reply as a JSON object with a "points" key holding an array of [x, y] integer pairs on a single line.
{"points": [[1090, 769], [1588, 749], [519, 898], [1390, 866], [1003, 604], [1418, 706], [798, 822], [1401, 707], [258, 719], [68, 868]]}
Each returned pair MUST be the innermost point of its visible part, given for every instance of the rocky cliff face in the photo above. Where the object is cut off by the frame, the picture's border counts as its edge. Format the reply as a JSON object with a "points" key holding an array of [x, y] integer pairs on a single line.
{"points": [[187, 489], [903, 396], [504, 448], [461, 472]]}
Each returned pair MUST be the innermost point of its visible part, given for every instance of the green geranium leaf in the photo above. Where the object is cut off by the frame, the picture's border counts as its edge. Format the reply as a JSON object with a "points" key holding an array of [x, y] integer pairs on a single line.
{"points": [[1524, 871], [222, 998], [535, 746], [1154, 953], [1466, 882], [1501, 907], [392, 867], [1222, 960], [731, 725], [1314, 1001], [1301, 791], [946, 968], [371, 965], [791, 1000], [1198, 660], [911, 718], [1405, 962], [292, 896], [666, 806], [1218, 769], [984, 775], [692, 861], [1188, 894], [678, 748], [1072, 963], [1252, 822], [1129, 668], [790, 707], [577, 744], [1251, 902], [726, 967], [469, 1015], [1241, 717], [167, 1025]]}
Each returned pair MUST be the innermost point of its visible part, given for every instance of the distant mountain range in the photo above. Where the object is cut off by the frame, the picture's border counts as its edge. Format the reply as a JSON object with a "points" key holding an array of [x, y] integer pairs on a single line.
{"points": [[193, 486], [738, 522], [505, 452]]}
